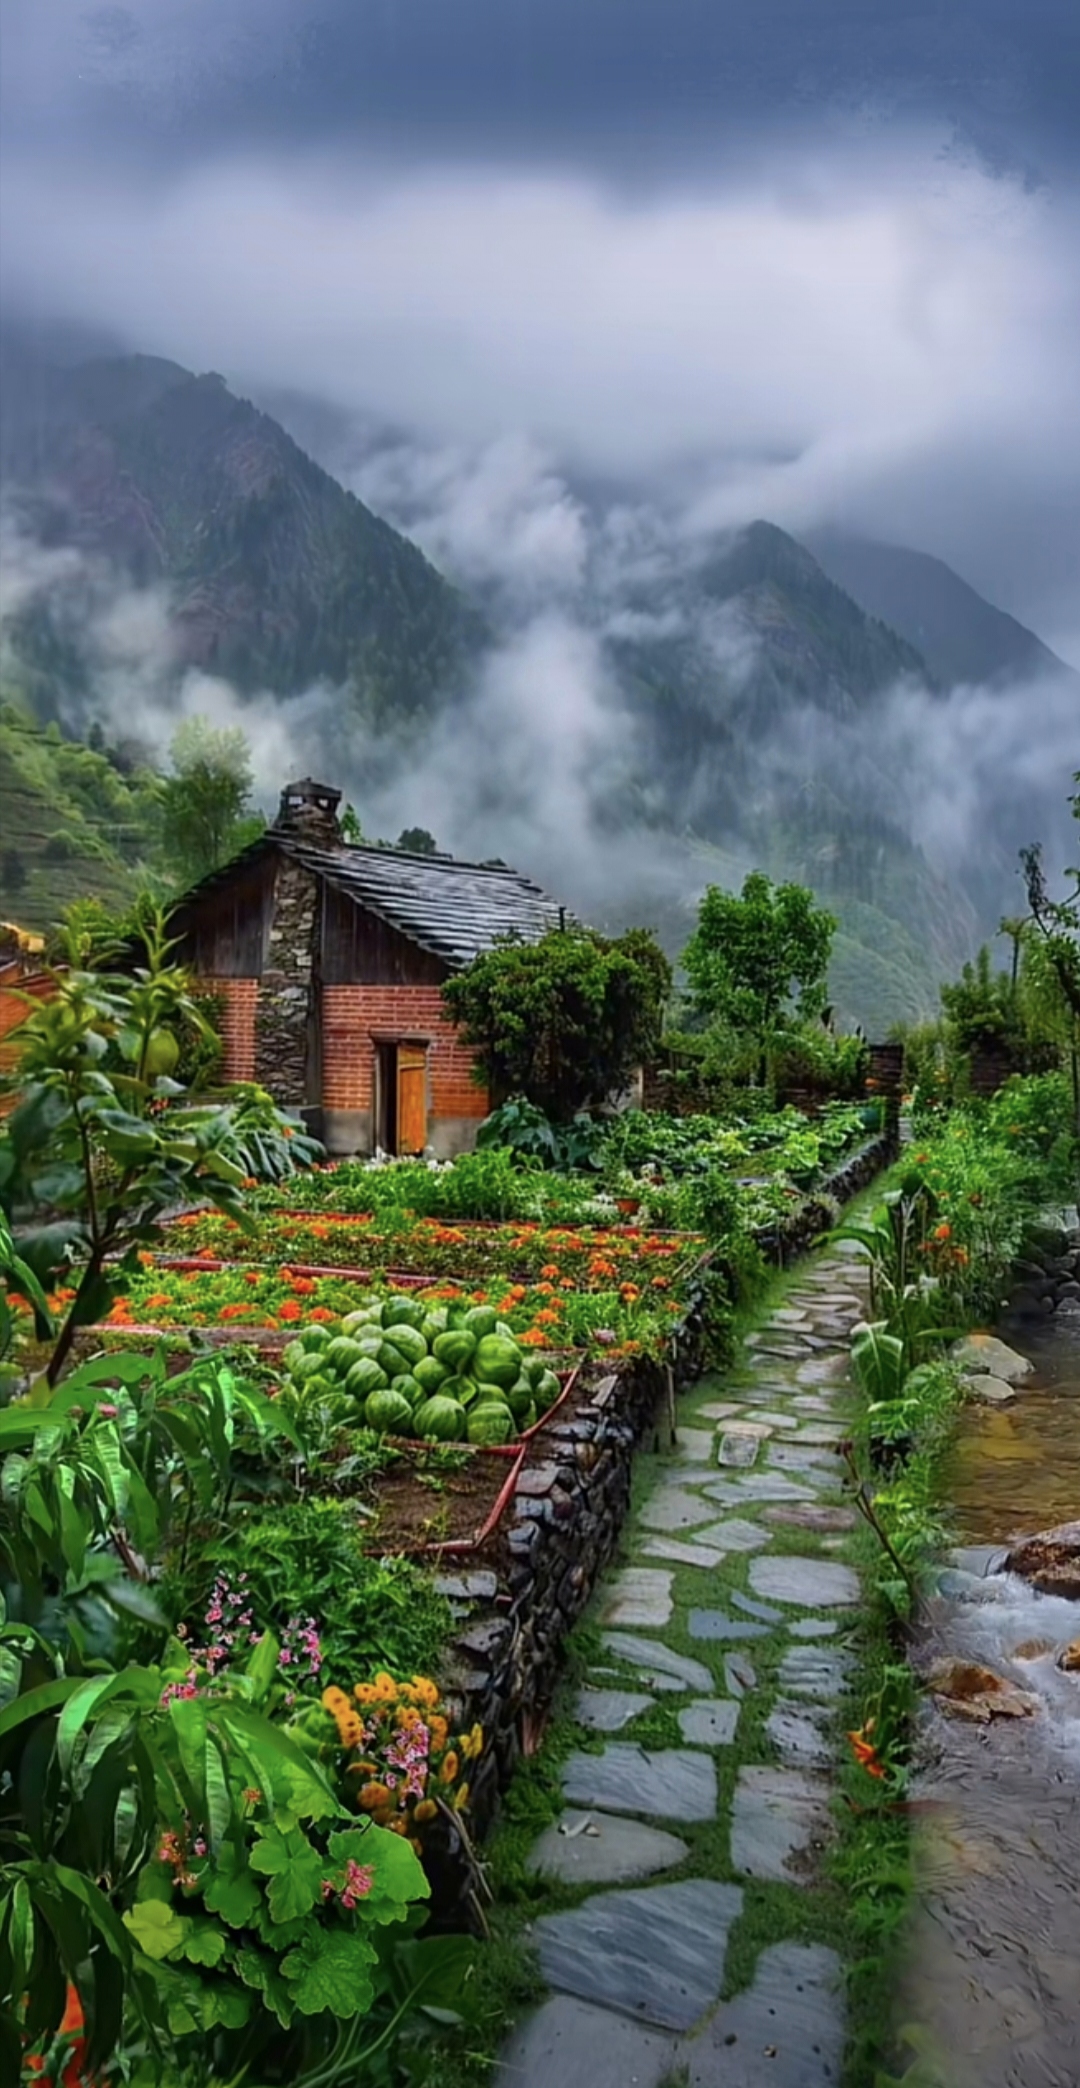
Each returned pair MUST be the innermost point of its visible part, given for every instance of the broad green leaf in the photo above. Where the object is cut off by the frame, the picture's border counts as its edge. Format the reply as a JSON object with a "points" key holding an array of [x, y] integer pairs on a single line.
{"points": [[158, 1930], [90, 1896], [278, 1760], [88, 1697], [187, 1717], [262, 1666], [218, 1799], [46, 1697], [20, 1934], [204, 1944], [230, 1890], [294, 1868], [331, 1970], [398, 1875], [259, 1970]]}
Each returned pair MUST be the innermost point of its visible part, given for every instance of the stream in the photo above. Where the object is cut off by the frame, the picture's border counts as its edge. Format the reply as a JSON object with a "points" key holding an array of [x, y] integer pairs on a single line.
{"points": [[991, 1997]]}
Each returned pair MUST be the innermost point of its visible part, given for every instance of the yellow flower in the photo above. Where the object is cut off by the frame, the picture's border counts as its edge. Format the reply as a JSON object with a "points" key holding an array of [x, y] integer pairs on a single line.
{"points": [[449, 1770], [365, 1693], [477, 1739], [426, 1692], [426, 1810], [372, 1795], [440, 1732], [461, 1798], [335, 1701]]}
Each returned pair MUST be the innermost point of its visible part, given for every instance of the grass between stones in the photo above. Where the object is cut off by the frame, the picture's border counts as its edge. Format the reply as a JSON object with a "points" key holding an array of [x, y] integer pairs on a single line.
{"points": [[857, 1902]]}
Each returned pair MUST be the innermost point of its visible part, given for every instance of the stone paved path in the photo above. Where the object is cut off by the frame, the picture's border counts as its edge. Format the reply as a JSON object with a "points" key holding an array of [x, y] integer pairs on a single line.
{"points": [[730, 1614]]}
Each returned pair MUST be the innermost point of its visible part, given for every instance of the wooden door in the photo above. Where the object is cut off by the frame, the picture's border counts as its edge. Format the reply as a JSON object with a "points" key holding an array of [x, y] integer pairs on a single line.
{"points": [[411, 1098]]}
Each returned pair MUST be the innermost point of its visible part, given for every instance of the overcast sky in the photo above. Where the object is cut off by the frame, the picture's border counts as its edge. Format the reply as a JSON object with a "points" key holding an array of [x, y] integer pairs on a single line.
{"points": [[817, 260]]}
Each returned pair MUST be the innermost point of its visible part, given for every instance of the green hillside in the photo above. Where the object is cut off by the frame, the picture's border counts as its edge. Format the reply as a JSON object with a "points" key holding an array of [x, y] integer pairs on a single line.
{"points": [[73, 826]]}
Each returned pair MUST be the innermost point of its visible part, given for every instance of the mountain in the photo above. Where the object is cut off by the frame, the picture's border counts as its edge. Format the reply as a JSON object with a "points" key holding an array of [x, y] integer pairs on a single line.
{"points": [[960, 635], [74, 824], [277, 577], [746, 686]]}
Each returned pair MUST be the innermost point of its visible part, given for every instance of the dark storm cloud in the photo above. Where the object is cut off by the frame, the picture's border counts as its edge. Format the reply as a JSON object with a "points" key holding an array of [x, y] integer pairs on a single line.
{"points": [[645, 84]]}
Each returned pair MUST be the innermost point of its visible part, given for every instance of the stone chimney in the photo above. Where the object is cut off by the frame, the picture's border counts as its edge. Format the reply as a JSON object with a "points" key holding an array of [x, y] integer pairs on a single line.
{"points": [[309, 810]]}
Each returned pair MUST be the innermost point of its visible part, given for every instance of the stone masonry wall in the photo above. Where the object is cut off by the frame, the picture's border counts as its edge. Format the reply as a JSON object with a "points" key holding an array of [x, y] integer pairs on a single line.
{"points": [[286, 1003]]}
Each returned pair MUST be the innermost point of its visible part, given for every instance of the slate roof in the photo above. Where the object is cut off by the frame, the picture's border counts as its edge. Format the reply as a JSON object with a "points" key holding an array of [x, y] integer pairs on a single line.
{"points": [[455, 910]]}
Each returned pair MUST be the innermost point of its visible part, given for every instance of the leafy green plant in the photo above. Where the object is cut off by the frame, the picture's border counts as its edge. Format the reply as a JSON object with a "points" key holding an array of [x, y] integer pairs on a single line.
{"points": [[102, 1141], [564, 1021]]}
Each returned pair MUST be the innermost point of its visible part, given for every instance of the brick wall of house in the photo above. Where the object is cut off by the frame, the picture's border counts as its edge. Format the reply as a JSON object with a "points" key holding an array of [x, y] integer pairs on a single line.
{"points": [[241, 999], [353, 1016]]}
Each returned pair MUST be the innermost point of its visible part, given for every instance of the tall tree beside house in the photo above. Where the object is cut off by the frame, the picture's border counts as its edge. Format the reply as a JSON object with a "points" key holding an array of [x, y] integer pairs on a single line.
{"points": [[565, 1020], [759, 960], [207, 798]]}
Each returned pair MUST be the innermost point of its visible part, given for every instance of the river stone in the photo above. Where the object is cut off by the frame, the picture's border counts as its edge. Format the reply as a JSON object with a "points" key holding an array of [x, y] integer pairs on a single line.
{"points": [[813, 1627], [656, 1954], [786, 2031], [608, 1710], [733, 1534], [989, 1390], [1050, 1561], [738, 1447], [825, 1433], [984, 1352], [671, 1508], [820, 1672], [640, 1596], [796, 1731], [579, 2046], [671, 1783], [719, 1628], [717, 1410], [812, 1583], [662, 1668], [612, 1852], [778, 1817], [709, 1722], [681, 1553]]}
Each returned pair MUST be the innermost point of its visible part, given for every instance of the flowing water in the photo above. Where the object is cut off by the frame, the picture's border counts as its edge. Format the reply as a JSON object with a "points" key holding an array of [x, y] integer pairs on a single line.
{"points": [[992, 1997]]}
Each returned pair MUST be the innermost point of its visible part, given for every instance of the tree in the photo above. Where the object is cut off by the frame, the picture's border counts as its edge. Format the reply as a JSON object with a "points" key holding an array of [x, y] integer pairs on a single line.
{"points": [[756, 960], [417, 841], [1056, 924], [563, 1021], [205, 800]]}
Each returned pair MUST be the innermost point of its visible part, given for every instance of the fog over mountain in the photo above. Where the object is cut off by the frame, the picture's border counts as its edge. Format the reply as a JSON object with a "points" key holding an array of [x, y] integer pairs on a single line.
{"points": [[720, 365]]}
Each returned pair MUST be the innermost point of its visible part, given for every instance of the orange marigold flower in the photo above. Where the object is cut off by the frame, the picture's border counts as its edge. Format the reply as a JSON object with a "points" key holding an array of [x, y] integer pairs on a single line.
{"points": [[373, 1795], [146, 1258], [943, 1232], [289, 1310], [320, 1312], [534, 1337], [550, 1269], [864, 1750]]}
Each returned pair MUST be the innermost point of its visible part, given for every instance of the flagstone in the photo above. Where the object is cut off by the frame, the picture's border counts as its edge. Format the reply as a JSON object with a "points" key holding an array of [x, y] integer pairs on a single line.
{"points": [[666, 1669], [819, 1672], [732, 1533], [755, 1487], [673, 1508], [640, 1596], [682, 1554], [812, 1515], [595, 1848], [709, 1722], [779, 1819], [786, 2031], [740, 1674], [694, 1445], [717, 1626], [717, 1410], [581, 2046], [798, 1733], [608, 1710], [670, 1783], [812, 1583], [813, 1627], [763, 1610], [656, 1954]]}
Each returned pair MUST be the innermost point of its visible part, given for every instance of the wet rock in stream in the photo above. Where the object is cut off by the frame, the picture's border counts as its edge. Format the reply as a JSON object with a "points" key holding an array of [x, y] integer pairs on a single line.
{"points": [[1050, 1561]]}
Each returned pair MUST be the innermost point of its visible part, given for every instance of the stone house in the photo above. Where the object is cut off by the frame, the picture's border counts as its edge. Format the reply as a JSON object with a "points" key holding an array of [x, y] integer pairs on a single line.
{"points": [[329, 957]]}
